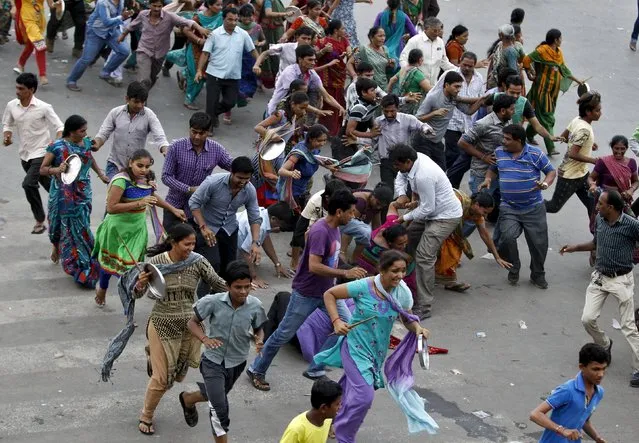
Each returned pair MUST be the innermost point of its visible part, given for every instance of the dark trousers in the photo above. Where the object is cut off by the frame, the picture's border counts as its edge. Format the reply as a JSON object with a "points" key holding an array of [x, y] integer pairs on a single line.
{"points": [[387, 173], [221, 95], [179, 41], [78, 15], [435, 150], [430, 8], [452, 148], [31, 189], [457, 171], [565, 188], [299, 240], [218, 382], [635, 30], [532, 222]]}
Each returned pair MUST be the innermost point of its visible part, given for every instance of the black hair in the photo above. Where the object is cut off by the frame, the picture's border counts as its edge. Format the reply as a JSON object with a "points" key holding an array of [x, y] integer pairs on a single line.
{"points": [[209, 3], [517, 16], [483, 199], [296, 85], [201, 121], [504, 73], [616, 200], [551, 36], [295, 98], [237, 270], [414, 55], [383, 193], [303, 51], [402, 153], [304, 30], [513, 80], [372, 31], [137, 155], [28, 80], [228, 11], [503, 101], [517, 132], [315, 131], [156, 1], [389, 257], [342, 199], [282, 211], [456, 32], [333, 26], [137, 91], [325, 392], [313, 3], [453, 77], [364, 84], [619, 139], [517, 29], [588, 102], [242, 165], [247, 10], [72, 124], [363, 67], [174, 234], [330, 188], [391, 234], [389, 100], [593, 352], [470, 55], [393, 4]]}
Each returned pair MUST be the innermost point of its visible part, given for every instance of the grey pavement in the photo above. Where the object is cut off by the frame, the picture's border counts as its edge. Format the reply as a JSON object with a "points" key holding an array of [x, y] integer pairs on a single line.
{"points": [[42, 312]]}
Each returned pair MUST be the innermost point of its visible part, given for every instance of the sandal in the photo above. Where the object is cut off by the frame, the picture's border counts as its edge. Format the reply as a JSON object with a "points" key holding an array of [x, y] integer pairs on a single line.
{"points": [[149, 428], [190, 414], [258, 381], [39, 229], [457, 287]]}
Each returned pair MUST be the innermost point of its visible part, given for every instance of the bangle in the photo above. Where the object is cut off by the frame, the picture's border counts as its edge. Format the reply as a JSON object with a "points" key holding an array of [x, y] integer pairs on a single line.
{"points": [[202, 338], [335, 319]]}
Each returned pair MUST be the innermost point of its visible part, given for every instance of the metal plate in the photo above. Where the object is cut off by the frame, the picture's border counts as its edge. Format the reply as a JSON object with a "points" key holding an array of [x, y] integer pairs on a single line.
{"points": [[422, 351], [272, 150], [297, 12], [74, 164], [157, 284], [582, 89], [59, 12]]}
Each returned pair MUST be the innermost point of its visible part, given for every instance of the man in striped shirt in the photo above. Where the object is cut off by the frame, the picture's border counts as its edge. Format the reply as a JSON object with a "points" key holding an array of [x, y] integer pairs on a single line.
{"points": [[615, 239], [522, 207]]}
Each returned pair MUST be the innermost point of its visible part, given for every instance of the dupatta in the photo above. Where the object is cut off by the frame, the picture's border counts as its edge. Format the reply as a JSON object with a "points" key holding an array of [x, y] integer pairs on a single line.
{"points": [[393, 34], [620, 172]]}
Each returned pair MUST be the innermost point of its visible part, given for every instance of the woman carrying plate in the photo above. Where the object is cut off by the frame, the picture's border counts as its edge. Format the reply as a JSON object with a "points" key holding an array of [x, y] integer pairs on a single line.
{"points": [[122, 236], [70, 204]]}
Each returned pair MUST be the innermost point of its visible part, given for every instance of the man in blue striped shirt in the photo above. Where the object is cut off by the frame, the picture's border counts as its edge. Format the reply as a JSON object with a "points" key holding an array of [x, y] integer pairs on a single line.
{"points": [[522, 209]]}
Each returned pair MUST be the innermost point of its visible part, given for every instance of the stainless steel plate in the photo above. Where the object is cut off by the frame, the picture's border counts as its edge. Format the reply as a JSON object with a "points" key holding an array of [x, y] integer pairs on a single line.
{"points": [[297, 12], [272, 150], [157, 284], [74, 164], [422, 351]]}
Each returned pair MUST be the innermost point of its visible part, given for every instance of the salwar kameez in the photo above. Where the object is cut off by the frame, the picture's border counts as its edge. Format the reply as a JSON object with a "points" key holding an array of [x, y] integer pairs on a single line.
{"points": [[30, 30]]}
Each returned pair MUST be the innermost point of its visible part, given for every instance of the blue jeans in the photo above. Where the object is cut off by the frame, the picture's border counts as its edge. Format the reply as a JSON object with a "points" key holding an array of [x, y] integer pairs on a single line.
{"points": [[358, 230], [111, 169], [298, 310], [92, 47], [635, 30], [474, 181]]}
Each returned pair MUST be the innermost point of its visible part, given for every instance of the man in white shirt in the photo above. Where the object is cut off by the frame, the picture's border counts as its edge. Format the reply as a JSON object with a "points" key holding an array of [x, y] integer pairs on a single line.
{"points": [[32, 119], [286, 51], [435, 215], [433, 49]]}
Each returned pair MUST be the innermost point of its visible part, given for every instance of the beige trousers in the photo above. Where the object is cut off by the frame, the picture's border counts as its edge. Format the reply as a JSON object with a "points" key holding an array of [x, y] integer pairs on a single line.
{"points": [[621, 288]]}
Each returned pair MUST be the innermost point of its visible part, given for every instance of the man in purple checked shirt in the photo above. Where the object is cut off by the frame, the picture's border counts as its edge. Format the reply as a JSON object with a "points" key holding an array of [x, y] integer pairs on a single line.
{"points": [[188, 162]]}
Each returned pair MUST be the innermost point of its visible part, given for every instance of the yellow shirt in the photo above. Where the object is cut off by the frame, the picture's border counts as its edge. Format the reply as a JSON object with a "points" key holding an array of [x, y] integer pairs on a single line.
{"points": [[300, 430], [581, 134]]}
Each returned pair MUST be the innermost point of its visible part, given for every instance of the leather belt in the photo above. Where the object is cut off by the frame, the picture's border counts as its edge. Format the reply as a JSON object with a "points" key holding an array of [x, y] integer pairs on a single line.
{"points": [[613, 274]]}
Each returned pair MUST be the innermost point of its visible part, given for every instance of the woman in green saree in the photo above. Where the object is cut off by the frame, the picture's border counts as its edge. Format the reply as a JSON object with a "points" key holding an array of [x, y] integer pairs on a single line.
{"points": [[377, 54], [412, 82]]}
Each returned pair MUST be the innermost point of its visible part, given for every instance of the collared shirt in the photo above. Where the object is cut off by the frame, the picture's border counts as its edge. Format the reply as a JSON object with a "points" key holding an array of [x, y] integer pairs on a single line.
{"points": [[437, 199], [233, 327], [462, 122], [219, 208], [434, 101], [244, 237], [518, 176], [284, 80], [398, 130], [184, 168], [486, 135], [156, 39], [32, 125], [286, 53], [570, 408], [434, 56], [615, 243], [130, 133], [225, 52]]}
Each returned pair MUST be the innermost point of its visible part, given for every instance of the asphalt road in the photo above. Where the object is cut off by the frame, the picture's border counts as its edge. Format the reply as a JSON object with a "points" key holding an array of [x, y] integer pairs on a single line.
{"points": [[42, 312]]}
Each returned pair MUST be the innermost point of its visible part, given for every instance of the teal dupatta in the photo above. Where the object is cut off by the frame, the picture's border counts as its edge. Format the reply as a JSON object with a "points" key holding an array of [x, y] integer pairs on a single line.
{"points": [[393, 34]]}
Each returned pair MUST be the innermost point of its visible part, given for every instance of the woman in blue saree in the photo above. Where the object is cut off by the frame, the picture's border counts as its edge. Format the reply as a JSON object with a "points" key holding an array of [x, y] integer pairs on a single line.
{"points": [[70, 204], [397, 26]]}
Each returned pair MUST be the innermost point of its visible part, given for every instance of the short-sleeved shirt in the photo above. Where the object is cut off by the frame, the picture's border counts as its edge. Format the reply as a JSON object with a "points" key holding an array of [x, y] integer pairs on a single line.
{"points": [[569, 408], [286, 53], [226, 51], [244, 237], [615, 243], [518, 176], [300, 430], [485, 135], [434, 101], [322, 240], [314, 210], [582, 135], [233, 327]]}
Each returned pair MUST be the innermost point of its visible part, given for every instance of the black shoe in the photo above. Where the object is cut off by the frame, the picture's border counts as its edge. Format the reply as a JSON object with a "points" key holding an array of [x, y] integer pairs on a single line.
{"points": [[540, 282], [634, 381], [166, 72], [513, 278], [609, 351], [314, 377]]}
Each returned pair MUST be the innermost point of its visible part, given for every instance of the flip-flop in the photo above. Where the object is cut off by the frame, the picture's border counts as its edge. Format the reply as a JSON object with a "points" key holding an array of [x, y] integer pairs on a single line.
{"points": [[39, 229], [190, 414], [148, 425], [457, 287]]}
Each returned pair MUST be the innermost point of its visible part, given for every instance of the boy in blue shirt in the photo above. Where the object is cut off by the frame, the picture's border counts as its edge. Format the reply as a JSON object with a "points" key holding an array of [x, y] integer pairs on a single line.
{"points": [[574, 402]]}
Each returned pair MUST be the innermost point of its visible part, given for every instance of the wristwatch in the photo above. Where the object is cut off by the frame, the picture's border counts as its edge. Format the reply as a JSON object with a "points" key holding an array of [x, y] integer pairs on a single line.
{"points": [[258, 243]]}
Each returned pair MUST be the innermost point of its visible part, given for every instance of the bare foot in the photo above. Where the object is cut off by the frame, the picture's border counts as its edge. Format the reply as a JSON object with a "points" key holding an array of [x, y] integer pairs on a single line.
{"points": [[100, 297], [55, 256]]}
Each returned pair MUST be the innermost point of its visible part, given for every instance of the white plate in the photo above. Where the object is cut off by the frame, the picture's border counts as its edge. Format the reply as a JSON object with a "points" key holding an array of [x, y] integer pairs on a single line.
{"points": [[582, 89], [422, 350], [74, 164], [297, 12], [59, 11], [272, 150], [157, 284]]}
